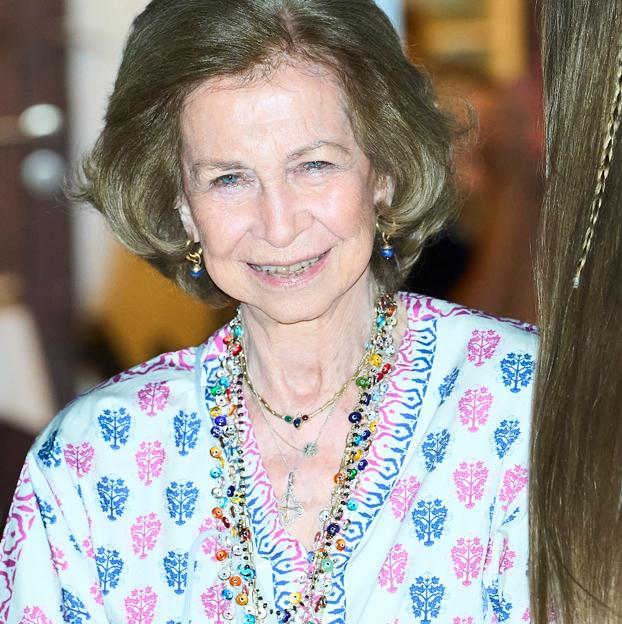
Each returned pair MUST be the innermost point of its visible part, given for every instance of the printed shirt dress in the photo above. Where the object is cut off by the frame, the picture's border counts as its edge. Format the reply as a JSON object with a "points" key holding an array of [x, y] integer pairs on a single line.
{"points": [[112, 517]]}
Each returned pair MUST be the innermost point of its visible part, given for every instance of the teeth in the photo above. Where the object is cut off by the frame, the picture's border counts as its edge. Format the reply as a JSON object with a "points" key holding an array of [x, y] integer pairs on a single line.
{"points": [[292, 269]]}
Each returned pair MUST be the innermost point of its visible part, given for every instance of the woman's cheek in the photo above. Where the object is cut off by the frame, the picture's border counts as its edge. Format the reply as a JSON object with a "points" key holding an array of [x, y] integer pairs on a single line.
{"points": [[220, 242], [219, 229], [351, 216]]}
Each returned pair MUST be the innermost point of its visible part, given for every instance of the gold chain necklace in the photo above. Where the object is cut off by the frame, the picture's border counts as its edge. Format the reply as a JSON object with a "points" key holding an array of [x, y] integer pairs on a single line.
{"points": [[298, 419]]}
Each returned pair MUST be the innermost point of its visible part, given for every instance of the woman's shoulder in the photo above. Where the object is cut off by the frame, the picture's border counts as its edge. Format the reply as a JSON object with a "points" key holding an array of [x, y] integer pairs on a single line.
{"points": [[472, 354], [143, 399], [476, 330]]}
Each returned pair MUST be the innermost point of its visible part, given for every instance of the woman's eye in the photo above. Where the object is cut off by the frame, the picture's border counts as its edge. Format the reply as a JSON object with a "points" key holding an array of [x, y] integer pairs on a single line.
{"points": [[228, 180], [316, 165]]}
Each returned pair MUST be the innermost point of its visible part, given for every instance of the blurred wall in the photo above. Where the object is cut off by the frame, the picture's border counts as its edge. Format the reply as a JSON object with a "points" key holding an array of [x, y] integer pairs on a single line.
{"points": [[96, 32], [128, 311], [395, 9]]}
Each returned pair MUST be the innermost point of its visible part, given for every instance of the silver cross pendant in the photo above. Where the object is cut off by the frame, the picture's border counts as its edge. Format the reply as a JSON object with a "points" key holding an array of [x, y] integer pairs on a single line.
{"points": [[290, 507]]}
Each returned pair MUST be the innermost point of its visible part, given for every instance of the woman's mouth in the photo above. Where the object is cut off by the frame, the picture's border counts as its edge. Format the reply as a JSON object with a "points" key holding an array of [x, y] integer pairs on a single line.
{"points": [[289, 270]]}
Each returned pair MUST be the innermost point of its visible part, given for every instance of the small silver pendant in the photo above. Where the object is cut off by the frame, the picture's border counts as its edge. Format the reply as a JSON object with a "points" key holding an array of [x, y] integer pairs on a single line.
{"points": [[310, 449], [290, 507]]}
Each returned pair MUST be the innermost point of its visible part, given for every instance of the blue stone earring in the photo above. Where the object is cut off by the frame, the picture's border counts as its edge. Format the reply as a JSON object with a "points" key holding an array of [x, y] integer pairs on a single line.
{"points": [[195, 258], [387, 251]]}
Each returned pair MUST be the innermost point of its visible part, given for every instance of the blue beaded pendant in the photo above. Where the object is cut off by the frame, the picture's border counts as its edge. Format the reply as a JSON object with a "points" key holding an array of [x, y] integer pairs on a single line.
{"points": [[196, 271], [387, 251]]}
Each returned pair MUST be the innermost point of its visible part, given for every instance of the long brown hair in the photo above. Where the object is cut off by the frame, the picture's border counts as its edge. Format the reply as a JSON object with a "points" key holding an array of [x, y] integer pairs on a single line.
{"points": [[576, 483]]}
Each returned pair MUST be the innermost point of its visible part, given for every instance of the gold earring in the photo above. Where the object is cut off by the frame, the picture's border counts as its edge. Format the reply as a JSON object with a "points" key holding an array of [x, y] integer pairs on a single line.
{"points": [[195, 258], [387, 251]]}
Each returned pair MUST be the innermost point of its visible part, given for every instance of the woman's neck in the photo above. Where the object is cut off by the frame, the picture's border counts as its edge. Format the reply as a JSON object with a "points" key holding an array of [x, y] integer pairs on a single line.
{"points": [[297, 367]]}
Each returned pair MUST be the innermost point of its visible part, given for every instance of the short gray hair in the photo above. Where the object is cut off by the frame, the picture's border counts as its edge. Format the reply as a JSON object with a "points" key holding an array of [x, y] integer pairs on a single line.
{"points": [[134, 174]]}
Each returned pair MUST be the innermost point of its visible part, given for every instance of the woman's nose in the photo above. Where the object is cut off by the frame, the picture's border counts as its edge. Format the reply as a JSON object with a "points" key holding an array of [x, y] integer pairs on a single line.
{"points": [[280, 213]]}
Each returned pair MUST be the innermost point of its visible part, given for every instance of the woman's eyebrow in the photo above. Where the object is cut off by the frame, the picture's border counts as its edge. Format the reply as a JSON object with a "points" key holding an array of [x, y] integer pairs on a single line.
{"points": [[315, 145], [225, 165], [214, 165]]}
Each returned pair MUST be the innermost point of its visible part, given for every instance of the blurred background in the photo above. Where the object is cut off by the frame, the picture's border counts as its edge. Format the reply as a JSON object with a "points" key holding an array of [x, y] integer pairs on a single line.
{"points": [[75, 307]]}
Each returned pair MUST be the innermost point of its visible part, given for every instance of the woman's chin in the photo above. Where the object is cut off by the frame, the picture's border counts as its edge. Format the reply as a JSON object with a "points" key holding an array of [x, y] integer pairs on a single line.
{"points": [[314, 301], [289, 309], [294, 298]]}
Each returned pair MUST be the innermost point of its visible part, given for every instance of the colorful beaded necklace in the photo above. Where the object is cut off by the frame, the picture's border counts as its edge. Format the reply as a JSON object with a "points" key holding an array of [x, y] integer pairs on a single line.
{"points": [[239, 572]]}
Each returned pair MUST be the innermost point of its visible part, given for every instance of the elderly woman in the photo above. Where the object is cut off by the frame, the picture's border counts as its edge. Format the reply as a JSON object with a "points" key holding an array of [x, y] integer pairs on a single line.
{"points": [[337, 453]]}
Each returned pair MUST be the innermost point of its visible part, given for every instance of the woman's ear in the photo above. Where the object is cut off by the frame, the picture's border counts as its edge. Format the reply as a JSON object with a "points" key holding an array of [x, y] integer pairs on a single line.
{"points": [[383, 191], [185, 214]]}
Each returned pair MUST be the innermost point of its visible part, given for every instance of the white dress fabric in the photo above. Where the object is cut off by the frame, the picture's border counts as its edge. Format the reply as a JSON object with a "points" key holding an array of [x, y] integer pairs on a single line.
{"points": [[113, 520]]}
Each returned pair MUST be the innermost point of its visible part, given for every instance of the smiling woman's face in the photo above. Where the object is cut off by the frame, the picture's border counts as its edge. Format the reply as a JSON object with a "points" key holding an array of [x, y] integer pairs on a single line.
{"points": [[278, 191]]}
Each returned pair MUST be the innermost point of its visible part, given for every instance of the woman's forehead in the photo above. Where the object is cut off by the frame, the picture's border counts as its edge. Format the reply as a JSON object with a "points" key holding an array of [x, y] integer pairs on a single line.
{"points": [[273, 69], [290, 98]]}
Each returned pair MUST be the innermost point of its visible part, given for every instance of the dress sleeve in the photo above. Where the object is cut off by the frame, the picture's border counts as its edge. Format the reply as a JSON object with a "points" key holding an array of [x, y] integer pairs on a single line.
{"points": [[505, 580], [47, 570], [506, 590]]}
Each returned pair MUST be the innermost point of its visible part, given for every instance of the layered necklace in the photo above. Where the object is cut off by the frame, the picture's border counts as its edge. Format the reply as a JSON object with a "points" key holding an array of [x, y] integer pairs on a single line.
{"points": [[306, 605], [299, 418], [290, 508]]}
